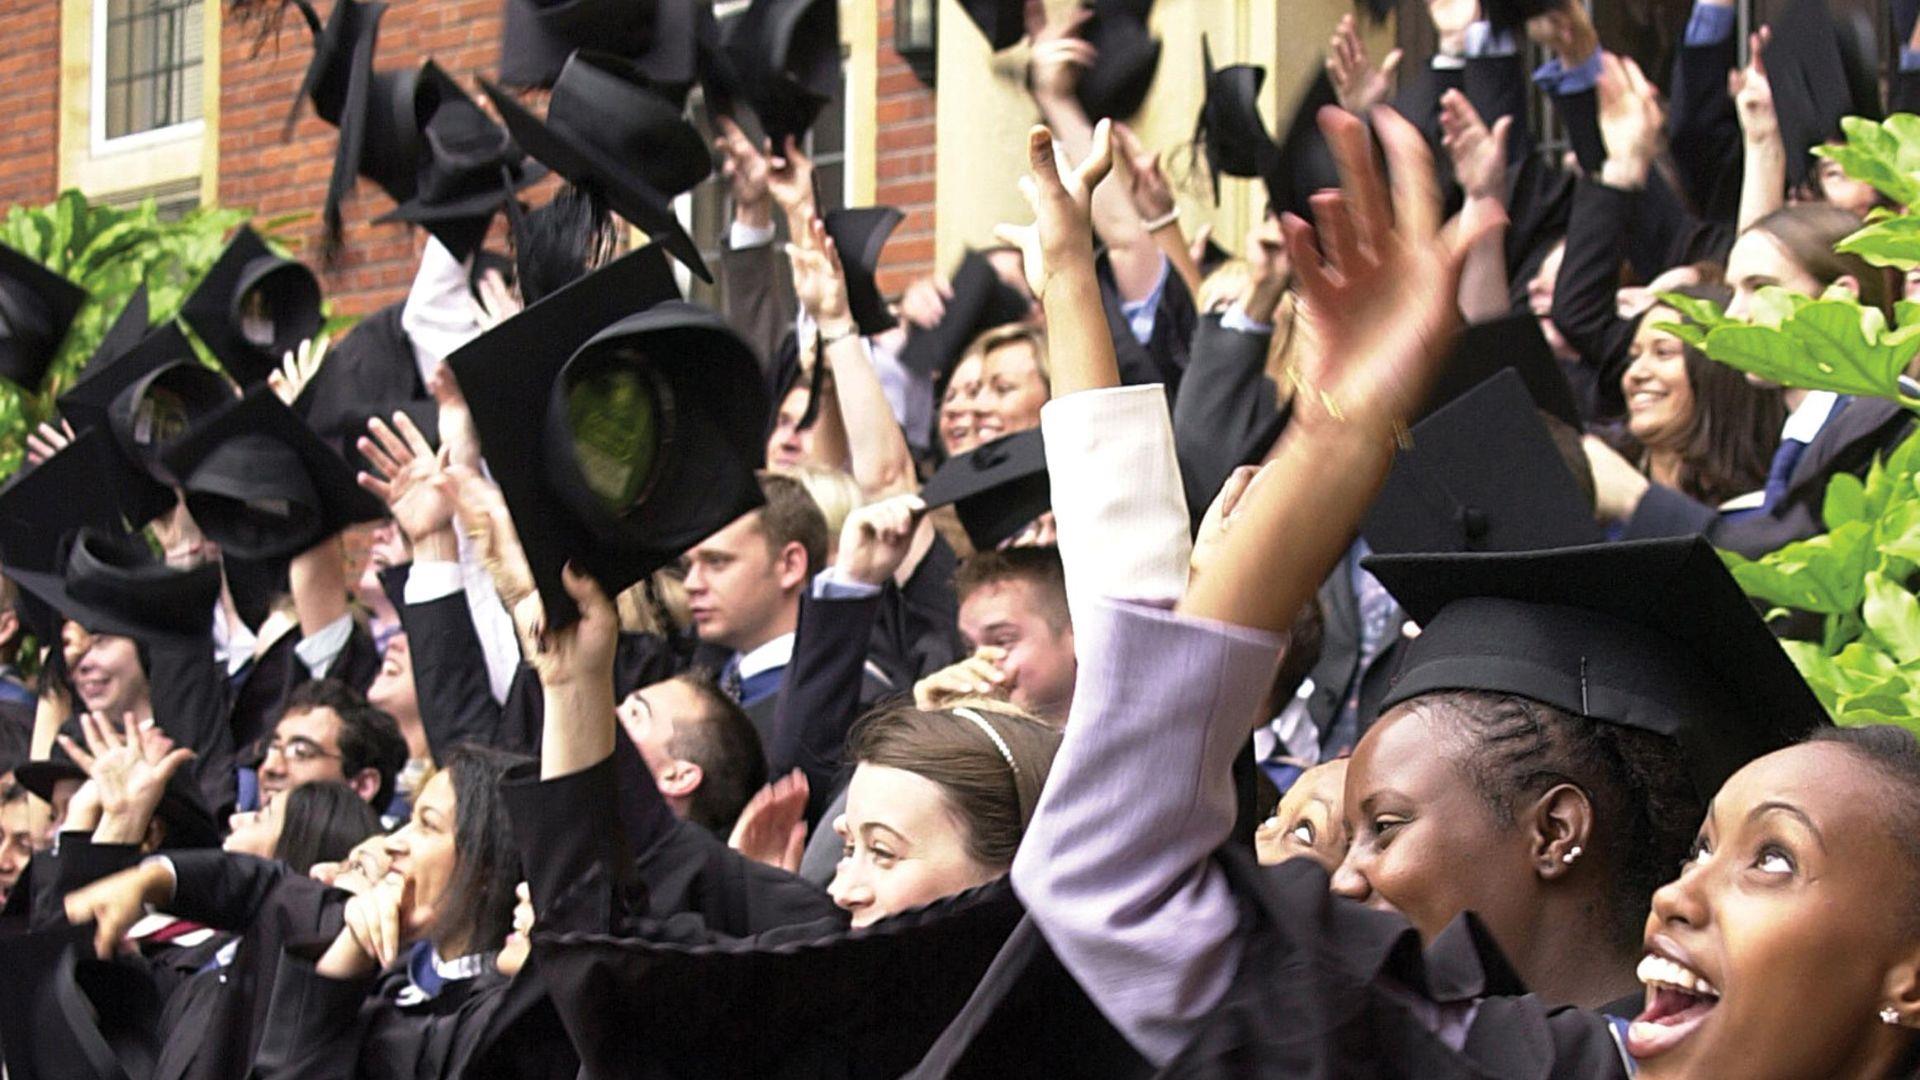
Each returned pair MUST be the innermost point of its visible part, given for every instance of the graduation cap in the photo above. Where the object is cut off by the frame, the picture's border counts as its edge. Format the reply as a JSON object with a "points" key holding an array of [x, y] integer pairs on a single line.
{"points": [[1004, 22], [1229, 127], [1117, 83], [681, 50], [787, 56], [379, 135], [1211, 256], [470, 167], [997, 488], [1302, 164], [1822, 69], [1511, 341], [65, 1015], [619, 440], [539, 35], [85, 485], [859, 235], [146, 399], [36, 308], [128, 329], [110, 583], [980, 302], [1653, 635], [262, 484], [253, 307], [612, 135], [1482, 474]]}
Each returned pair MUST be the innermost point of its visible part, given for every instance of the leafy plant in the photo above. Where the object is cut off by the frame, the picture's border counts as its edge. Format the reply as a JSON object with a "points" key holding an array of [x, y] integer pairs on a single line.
{"points": [[109, 251]]}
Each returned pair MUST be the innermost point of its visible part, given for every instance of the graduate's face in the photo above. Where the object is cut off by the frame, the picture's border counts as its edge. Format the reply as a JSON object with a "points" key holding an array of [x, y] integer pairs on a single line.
{"points": [[256, 832], [1011, 391], [647, 716], [305, 748], [1757, 261], [790, 444], [1658, 392], [738, 586], [1794, 913], [1309, 821], [903, 845], [393, 691], [109, 680], [1416, 820], [1039, 660], [1856, 197], [16, 843], [422, 850], [960, 409]]}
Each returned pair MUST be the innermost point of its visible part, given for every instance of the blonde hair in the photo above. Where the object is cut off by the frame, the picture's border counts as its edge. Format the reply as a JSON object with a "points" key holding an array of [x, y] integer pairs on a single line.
{"points": [[835, 491], [1001, 336], [666, 611]]}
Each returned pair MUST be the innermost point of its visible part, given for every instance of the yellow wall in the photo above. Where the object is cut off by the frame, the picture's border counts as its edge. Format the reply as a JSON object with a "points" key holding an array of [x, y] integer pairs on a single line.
{"points": [[147, 164], [984, 110]]}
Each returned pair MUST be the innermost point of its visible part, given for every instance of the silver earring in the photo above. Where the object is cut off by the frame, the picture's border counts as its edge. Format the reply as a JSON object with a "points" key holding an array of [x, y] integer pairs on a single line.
{"points": [[1890, 1015], [1572, 854]]}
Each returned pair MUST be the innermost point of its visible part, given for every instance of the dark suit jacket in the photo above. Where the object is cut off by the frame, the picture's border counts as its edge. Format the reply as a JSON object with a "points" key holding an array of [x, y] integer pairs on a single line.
{"points": [[1848, 443], [1340, 669], [756, 296], [1228, 416], [1584, 306]]}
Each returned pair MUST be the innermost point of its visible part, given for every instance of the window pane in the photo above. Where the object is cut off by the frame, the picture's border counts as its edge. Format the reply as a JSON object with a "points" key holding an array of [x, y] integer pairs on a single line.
{"points": [[153, 68]]}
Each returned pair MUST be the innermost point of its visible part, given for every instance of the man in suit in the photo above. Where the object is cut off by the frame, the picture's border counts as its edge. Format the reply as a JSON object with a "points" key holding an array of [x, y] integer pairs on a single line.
{"points": [[743, 590], [329, 732]]}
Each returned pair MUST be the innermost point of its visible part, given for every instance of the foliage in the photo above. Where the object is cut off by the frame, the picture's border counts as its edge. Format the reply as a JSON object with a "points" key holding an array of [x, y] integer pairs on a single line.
{"points": [[108, 251], [1887, 156]]}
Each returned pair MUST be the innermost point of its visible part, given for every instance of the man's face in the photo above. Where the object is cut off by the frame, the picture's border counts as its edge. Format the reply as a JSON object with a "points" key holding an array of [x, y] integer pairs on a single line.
{"points": [[648, 715], [393, 691], [737, 586], [305, 748], [16, 844], [109, 680], [1039, 661]]}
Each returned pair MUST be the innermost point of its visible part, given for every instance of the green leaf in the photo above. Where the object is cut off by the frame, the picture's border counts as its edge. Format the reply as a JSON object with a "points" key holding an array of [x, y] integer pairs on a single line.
{"points": [[1823, 575], [1893, 615], [1886, 155], [1846, 501], [1894, 242], [1827, 344]]}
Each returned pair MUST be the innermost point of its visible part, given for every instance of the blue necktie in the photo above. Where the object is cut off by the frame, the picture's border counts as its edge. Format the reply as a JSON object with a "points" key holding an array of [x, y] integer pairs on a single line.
{"points": [[1784, 460], [730, 678]]}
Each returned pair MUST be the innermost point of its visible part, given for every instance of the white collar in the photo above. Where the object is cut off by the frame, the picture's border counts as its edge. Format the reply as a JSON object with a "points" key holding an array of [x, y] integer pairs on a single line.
{"points": [[774, 654], [233, 641], [1810, 417]]}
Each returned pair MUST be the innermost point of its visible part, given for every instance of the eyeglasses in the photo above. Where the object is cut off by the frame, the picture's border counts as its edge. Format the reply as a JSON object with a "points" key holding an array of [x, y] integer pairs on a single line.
{"points": [[297, 751]]}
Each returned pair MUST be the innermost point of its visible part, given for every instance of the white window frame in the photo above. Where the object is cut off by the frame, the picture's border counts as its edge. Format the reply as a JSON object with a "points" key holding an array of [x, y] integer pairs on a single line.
{"points": [[97, 97]]}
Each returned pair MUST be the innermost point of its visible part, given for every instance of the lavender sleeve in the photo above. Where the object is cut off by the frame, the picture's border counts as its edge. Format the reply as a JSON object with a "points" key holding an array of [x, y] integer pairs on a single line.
{"points": [[1116, 866]]}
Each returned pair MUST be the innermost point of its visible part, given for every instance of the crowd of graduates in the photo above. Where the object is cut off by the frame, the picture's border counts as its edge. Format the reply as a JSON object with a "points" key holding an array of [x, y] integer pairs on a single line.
{"points": [[1117, 657]]}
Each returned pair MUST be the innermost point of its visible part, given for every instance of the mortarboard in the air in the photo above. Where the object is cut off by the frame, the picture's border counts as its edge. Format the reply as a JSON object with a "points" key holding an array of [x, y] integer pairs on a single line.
{"points": [[147, 397], [1482, 474], [787, 56], [469, 166], [262, 484], [859, 235], [1229, 127], [1002, 21], [65, 1015], [36, 308], [1648, 634], [1821, 70], [815, 999], [680, 48], [111, 583], [1129, 57], [539, 35], [1512, 341], [379, 137], [1302, 164], [980, 302], [85, 485], [252, 308], [610, 134], [128, 329], [997, 488], [618, 439]]}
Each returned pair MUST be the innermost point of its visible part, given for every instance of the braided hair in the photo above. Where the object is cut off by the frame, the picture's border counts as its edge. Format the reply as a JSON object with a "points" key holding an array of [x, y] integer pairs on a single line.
{"points": [[1646, 810]]}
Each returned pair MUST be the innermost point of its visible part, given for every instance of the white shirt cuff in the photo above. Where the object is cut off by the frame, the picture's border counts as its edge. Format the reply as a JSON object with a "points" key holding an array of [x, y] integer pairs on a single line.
{"points": [[430, 581], [1236, 319], [319, 649], [833, 584]]}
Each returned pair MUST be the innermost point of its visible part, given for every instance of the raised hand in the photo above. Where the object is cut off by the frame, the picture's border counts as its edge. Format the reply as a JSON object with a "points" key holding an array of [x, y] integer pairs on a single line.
{"points": [[1631, 122], [924, 302], [495, 303], [876, 538], [1060, 56], [129, 769], [1356, 82], [790, 179], [772, 828], [297, 369], [46, 440], [1218, 520], [1479, 155], [818, 281], [1450, 21], [1062, 200], [483, 516], [575, 653], [976, 676], [1753, 92], [409, 473], [458, 437], [745, 168], [379, 924], [1139, 171]]}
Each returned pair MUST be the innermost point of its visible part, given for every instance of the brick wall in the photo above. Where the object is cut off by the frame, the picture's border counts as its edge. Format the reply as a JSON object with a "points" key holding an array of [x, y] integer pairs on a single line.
{"points": [[260, 172], [903, 161], [29, 101]]}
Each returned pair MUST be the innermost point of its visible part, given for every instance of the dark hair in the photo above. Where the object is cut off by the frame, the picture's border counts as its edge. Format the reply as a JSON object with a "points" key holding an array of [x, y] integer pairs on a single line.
{"points": [[1037, 566], [1729, 440], [369, 738], [1646, 811], [16, 741], [993, 799], [322, 822], [1807, 232], [722, 740], [790, 516], [12, 793], [477, 908], [560, 242]]}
